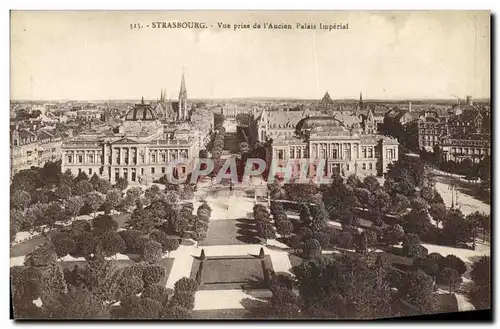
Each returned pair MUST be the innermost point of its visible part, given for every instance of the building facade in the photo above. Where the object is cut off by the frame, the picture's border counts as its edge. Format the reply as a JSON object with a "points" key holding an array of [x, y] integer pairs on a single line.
{"points": [[431, 128], [140, 151], [29, 149], [347, 142]]}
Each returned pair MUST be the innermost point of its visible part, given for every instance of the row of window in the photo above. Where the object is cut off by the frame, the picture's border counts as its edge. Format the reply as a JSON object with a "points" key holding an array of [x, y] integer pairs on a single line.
{"points": [[133, 172], [466, 150], [91, 160]]}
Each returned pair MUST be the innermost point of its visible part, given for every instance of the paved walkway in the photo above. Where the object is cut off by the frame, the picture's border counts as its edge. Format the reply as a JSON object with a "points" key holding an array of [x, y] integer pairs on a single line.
{"points": [[227, 299]]}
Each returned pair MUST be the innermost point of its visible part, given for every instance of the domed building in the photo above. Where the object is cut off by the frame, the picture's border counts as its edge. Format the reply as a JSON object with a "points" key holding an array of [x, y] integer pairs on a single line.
{"points": [[141, 112], [140, 150]]}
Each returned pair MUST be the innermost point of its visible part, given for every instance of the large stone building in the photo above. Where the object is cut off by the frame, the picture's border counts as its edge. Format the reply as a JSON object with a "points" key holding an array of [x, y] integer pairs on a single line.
{"points": [[432, 127], [139, 151], [469, 135], [348, 142]]}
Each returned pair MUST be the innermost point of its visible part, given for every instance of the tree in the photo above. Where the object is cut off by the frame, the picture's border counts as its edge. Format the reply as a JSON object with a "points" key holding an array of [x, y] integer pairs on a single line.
{"points": [[367, 240], [186, 285], [200, 234], [113, 198], [152, 251], [343, 286], [419, 204], [299, 192], [353, 181], [34, 216], [427, 264], [280, 217], [281, 280], [411, 245], [451, 278], [172, 198], [26, 282], [393, 234], [153, 274], [305, 214], [112, 243], [400, 203], [453, 262], [339, 197], [102, 186], [481, 270], [94, 200], [133, 240], [456, 228], [63, 244], [53, 213], [26, 180], [104, 224], [364, 196], [182, 299], [416, 222], [480, 294], [481, 220], [19, 220], [73, 205], [144, 220], [175, 312], [416, 288], [265, 230], [43, 255], [86, 244], [82, 176], [371, 183], [312, 248], [67, 178], [284, 227], [94, 180], [20, 199], [121, 184], [284, 304], [161, 237], [180, 224], [381, 202], [77, 303], [53, 280], [130, 285], [82, 188], [156, 292], [438, 212], [276, 208], [14, 228], [79, 226]]}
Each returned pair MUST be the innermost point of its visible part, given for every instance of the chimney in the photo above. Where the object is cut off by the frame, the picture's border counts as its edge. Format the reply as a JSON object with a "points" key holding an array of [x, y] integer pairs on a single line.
{"points": [[409, 106]]}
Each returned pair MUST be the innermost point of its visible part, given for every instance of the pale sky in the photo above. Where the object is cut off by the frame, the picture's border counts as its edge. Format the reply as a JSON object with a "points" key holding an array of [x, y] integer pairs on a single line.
{"points": [[386, 55]]}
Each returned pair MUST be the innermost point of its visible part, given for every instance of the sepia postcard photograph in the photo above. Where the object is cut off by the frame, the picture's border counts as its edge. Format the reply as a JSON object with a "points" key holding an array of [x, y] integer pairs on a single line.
{"points": [[250, 165]]}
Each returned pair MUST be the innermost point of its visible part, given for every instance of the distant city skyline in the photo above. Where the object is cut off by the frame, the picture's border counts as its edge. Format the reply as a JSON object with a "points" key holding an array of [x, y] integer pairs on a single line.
{"points": [[91, 55]]}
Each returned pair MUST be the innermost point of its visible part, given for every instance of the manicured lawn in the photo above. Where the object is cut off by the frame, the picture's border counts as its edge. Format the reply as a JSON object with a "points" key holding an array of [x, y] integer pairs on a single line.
{"points": [[231, 272], [26, 247], [295, 260], [230, 232], [121, 219]]}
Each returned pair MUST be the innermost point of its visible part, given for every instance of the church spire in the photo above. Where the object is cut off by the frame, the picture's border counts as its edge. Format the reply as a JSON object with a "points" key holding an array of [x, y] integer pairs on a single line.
{"points": [[183, 111]]}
